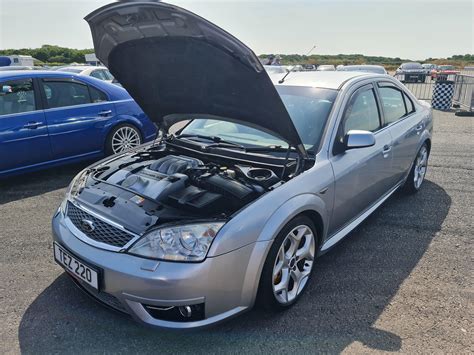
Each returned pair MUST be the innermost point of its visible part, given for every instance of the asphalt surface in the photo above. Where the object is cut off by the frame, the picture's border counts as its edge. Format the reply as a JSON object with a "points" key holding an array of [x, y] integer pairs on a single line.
{"points": [[401, 282]]}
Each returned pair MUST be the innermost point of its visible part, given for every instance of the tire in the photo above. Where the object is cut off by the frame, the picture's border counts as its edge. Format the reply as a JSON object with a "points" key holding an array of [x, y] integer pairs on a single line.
{"points": [[128, 134], [418, 171], [269, 295]]}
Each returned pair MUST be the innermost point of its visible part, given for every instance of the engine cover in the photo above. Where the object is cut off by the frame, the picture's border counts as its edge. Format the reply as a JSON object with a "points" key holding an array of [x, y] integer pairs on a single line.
{"points": [[158, 180]]}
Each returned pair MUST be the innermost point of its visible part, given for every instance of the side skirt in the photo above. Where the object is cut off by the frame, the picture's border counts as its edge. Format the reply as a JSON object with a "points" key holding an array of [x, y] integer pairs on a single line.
{"points": [[338, 236]]}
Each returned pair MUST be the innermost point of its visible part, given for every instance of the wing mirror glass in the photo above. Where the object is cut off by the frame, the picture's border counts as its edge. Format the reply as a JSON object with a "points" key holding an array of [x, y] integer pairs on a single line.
{"points": [[355, 139]]}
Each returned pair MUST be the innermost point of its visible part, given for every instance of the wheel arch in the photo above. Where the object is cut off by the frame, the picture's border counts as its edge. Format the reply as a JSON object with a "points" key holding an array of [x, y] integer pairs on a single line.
{"points": [[428, 144], [314, 211]]}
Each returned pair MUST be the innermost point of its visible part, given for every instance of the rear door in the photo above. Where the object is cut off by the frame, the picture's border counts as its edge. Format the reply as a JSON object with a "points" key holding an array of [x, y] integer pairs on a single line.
{"points": [[24, 137], [405, 125], [362, 175], [77, 115]]}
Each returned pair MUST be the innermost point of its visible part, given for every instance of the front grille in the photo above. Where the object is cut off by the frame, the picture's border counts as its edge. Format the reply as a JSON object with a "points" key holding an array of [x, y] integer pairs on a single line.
{"points": [[97, 229]]}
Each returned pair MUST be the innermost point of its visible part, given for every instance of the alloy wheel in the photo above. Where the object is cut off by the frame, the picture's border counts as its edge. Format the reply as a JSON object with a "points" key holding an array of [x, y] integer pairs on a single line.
{"points": [[124, 139], [293, 264]]}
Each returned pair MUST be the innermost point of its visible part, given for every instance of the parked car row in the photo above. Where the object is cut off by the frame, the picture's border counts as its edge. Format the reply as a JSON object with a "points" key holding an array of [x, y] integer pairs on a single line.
{"points": [[414, 72], [378, 69]]}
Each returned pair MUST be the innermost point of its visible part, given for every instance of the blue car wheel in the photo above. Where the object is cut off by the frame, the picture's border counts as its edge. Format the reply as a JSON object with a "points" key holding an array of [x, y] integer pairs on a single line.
{"points": [[123, 138]]}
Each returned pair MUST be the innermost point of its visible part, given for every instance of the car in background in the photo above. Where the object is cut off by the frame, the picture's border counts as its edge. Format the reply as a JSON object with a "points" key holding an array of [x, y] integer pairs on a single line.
{"points": [[101, 73], [376, 69], [50, 118], [275, 69], [309, 67], [429, 68], [444, 72], [411, 73], [326, 67], [295, 68]]}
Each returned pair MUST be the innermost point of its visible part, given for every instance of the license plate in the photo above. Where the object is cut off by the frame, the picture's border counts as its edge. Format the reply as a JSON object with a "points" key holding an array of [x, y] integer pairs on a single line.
{"points": [[76, 267]]}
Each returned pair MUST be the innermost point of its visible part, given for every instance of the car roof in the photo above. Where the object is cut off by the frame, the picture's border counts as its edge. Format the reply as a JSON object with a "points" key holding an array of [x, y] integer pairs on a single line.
{"points": [[327, 80]]}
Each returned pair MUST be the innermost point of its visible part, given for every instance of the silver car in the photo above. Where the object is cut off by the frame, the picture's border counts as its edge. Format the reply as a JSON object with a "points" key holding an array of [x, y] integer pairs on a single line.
{"points": [[377, 69], [231, 209]]}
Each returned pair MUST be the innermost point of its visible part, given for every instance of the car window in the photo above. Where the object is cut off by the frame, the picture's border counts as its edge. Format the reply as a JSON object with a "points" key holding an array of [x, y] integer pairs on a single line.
{"points": [[392, 103], [17, 96], [409, 104], [99, 74], [65, 93], [107, 75], [362, 113], [97, 95]]}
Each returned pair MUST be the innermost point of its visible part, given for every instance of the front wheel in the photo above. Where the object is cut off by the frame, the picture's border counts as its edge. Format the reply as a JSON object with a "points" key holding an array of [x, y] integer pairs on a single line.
{"points": [[418, 171], [289, 265], [123, 138]]}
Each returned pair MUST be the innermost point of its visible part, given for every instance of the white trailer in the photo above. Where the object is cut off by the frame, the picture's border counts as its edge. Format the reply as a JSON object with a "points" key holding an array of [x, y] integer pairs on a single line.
{"points": [[22, 60]]}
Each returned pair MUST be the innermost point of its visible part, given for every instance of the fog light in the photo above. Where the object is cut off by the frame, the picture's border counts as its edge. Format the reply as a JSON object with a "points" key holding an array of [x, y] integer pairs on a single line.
{"points": [[189, 313], [185, 311]]}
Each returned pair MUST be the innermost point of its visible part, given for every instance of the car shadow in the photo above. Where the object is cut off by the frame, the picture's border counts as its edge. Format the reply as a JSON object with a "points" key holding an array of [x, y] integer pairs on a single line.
{"points": [[36, 183], [352, 286]]}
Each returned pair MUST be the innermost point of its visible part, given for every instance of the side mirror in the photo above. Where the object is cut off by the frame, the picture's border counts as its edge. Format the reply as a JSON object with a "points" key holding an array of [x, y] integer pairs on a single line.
{"points": [[355, 139]]}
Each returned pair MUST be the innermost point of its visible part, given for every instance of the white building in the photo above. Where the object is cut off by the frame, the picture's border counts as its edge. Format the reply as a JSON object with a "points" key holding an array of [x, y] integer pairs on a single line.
{"points": [[91, 59]]}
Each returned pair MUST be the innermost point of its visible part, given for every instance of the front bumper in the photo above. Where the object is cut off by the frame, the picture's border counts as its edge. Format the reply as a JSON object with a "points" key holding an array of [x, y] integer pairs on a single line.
{"points": [[225, 285]]}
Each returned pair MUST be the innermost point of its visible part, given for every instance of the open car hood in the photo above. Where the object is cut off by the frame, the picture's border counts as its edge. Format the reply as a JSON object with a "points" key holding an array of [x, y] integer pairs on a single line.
{"points": [[177, 65]]}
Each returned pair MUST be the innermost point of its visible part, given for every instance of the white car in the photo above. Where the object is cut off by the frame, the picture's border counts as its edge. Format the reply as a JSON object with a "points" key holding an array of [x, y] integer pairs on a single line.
{"points": [[275, 69], [329, 67], [101, 73], [376, 69]]}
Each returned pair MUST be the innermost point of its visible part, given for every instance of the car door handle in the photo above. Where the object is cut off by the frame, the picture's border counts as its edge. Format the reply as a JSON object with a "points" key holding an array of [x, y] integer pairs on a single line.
{"points": [[32, 125], [105, 113], [386, 149], [419, 128]]}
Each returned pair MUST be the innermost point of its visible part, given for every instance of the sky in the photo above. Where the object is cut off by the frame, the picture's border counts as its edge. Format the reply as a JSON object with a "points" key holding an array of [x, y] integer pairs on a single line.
{"points": [[409, 29]]}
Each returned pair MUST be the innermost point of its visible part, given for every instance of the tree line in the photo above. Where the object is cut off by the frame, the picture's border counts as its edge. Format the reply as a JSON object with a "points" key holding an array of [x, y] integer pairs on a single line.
{"points": [[49, 54]]}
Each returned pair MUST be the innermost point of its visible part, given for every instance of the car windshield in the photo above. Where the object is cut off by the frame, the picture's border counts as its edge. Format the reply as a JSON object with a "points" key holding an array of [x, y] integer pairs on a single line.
{"points": [[308, 108], [446, 67], [412, 66]]}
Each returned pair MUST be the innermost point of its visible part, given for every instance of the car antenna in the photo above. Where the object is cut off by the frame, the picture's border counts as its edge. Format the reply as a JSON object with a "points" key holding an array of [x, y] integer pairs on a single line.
{"points": [[292, 69]]}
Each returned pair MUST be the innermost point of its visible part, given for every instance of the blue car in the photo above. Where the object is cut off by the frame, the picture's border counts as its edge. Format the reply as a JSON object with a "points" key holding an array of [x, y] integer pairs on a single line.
{"points": [[52, 118]]}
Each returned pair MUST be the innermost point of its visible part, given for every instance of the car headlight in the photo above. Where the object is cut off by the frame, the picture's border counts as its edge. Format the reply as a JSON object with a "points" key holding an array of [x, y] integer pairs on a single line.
{"points": [[180, 243], [75, 188]]}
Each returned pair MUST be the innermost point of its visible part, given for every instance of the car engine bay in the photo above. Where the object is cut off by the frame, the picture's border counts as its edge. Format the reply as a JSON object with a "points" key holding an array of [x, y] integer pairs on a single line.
{"points": [[155, 186]]}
